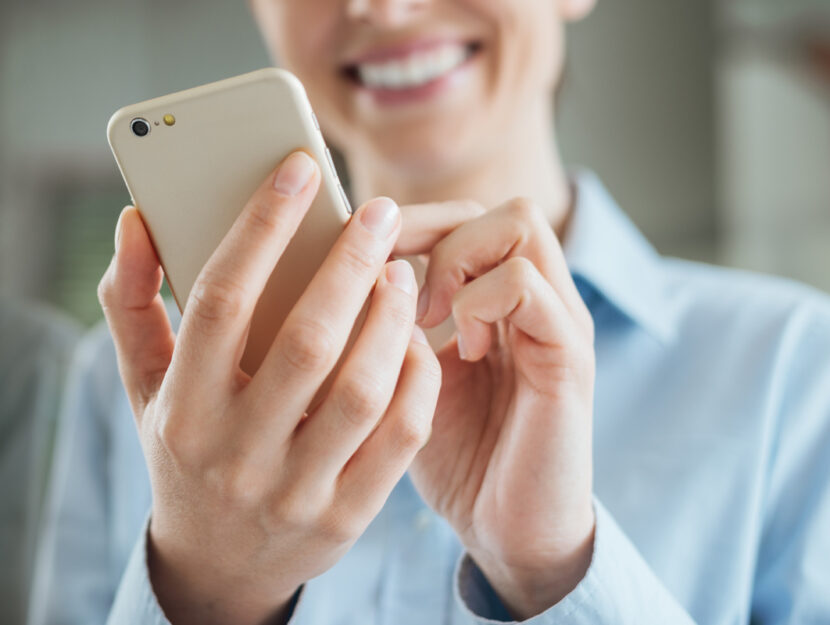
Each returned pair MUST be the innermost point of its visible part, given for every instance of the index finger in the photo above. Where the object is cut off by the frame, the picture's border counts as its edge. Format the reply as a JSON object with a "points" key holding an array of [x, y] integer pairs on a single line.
{"points": [[222, 300], [317, 329], [424, 225], [517, 228]]}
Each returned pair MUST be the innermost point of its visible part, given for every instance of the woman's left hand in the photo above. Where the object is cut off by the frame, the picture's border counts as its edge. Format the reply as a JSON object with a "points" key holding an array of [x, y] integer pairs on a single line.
{"points": [[509, 460]]}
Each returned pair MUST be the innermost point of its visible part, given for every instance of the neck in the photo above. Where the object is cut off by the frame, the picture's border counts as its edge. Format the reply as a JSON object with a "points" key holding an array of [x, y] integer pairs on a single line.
{"points": [[527, 165]]}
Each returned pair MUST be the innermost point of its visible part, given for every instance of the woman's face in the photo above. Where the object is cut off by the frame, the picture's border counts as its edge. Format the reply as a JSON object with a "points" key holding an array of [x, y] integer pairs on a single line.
{"points": [[424, 87]]}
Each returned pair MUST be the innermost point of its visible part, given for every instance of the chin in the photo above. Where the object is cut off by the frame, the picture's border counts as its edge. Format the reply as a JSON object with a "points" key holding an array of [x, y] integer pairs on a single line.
{"points": [[428, 152]]}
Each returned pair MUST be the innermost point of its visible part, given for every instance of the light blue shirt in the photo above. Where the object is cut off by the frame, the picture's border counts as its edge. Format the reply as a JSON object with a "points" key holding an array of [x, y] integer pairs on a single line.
{"points": [[711, 453], [36, 345]]}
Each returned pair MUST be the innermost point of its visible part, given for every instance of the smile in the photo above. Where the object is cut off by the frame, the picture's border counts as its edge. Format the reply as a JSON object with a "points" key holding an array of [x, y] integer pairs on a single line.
{"points": [[411, 69]]}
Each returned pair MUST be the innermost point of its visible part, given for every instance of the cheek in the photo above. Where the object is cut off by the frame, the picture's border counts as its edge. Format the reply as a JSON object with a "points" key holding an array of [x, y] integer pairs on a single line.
{"points": [[529, 43], [299, 32], [305, 39]]}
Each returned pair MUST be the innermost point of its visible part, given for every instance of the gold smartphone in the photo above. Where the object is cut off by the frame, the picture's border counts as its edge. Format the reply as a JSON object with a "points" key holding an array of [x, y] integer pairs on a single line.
{"points": [[191, 160]]}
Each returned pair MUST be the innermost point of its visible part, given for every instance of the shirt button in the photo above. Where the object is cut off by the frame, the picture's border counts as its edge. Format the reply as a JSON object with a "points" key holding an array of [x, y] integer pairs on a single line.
{"points": [[423, 520]]}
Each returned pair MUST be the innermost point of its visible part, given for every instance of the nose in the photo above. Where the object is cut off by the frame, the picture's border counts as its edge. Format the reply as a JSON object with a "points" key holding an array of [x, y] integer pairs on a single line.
{"points": [[386, 13]]}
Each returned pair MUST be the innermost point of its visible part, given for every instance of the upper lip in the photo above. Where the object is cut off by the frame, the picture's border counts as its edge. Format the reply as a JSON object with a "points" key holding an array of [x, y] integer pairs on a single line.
{"points": [[379, 53]]}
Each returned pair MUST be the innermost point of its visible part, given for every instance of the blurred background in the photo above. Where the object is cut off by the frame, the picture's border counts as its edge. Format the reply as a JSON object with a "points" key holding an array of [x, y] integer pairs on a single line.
{"points": [[709, 120]]}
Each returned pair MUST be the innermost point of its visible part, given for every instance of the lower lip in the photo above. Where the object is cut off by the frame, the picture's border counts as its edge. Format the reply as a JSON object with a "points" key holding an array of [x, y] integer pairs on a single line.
{"points": [[398, 97]]}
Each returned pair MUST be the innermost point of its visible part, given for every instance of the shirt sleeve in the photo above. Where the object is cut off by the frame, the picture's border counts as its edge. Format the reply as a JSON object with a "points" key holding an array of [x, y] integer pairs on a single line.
{"points": [[136, 603], [619, 588], [37, 345], [73, 581], [792, 576]]}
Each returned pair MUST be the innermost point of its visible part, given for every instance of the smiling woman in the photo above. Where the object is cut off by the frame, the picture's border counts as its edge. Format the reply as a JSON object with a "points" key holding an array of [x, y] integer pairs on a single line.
{"points": [[608, 435], [493, 66]]}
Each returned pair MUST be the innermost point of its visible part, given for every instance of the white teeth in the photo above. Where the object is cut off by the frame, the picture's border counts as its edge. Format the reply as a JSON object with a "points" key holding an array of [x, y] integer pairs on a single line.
{"points": [[417, 69]]}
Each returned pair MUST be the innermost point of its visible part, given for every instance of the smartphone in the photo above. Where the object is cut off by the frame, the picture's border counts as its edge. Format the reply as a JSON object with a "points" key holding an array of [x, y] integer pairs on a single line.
{"points": [[191, 160]]}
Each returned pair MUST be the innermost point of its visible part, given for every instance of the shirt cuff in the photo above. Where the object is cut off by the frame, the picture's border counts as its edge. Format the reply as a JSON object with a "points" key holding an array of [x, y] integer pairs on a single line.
{"points": [[136, 603], [619, 587]]}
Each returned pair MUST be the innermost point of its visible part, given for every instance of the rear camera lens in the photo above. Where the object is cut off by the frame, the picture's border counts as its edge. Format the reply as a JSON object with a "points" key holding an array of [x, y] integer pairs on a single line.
{"points": [[140, 127]]}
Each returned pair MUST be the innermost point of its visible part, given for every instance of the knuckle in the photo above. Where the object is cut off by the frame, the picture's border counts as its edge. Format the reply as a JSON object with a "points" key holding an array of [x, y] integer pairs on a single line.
{"points": [[308, 346], [357, 259], [216, 300], [106, 289], [183, 445], [169, 433], [444, 268], [359, 399], [523, 209], [426, 367], [439, 256], [459, 305], [295, 508], [521, 270], [338, 527], [400, 312], [262, 216], [236, 484], [429, 369], [413, 430]]}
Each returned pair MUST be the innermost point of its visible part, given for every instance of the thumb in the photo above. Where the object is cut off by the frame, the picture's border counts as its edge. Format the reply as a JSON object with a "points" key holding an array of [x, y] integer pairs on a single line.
{"points": [[135, 313]]}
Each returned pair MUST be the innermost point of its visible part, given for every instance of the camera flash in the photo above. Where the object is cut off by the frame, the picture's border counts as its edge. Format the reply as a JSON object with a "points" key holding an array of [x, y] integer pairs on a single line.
{"points": [[169, 119]]}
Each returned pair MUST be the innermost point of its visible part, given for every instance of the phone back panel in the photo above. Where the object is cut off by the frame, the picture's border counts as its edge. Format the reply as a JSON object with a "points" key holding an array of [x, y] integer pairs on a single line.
{"points": [[190, 181]]}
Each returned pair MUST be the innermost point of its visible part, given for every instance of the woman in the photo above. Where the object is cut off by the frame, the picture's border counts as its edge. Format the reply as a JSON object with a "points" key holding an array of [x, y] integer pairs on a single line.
{"points": [[700, 498]]}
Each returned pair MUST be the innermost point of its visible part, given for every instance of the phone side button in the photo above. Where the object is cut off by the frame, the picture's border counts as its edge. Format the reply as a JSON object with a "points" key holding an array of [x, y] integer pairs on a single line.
{"points": [[314, 119], [331, 162], [345, 199]]}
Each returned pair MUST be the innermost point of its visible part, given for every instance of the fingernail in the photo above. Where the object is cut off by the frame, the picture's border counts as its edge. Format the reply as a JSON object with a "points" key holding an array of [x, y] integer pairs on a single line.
{"points": [[418, 336], [423, 304], [380, 216], [401, 275], [462, 350], [294, 174]]}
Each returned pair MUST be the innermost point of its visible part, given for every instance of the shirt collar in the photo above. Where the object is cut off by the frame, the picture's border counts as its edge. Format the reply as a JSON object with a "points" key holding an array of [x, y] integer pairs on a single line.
{"points": [[605, 249]]}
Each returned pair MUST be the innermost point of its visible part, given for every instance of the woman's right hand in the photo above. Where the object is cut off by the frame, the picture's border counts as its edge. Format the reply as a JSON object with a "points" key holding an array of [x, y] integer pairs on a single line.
{"points": [[251, 499]]}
